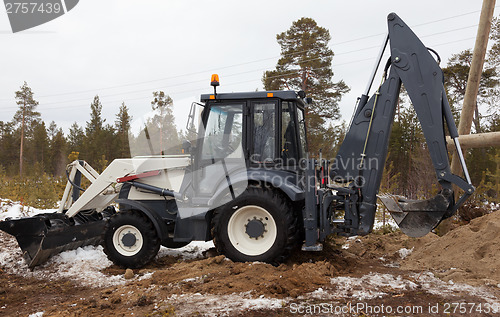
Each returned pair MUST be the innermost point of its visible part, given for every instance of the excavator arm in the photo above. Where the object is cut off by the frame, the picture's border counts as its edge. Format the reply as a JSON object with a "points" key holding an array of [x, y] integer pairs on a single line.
{"points": [[361, 157]]}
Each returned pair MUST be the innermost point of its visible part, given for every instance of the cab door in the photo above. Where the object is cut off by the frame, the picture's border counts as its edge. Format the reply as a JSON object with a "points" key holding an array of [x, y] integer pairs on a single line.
{"points": [[220, 150], [264, 132]]}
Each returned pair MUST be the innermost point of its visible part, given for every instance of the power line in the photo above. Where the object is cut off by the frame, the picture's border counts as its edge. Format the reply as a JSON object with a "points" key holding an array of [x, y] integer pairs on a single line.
{"points": [[239, 64], [227, 85], [235, 74], [411, 26]]}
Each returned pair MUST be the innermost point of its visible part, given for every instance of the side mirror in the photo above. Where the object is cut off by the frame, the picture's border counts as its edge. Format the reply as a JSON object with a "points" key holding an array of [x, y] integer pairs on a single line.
{"points": [[186, 147], [309, 100]]}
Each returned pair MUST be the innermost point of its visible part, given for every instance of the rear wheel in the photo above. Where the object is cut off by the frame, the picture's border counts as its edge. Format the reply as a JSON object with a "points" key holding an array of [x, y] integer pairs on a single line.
{"points": [[130, 239], [259, 225]]}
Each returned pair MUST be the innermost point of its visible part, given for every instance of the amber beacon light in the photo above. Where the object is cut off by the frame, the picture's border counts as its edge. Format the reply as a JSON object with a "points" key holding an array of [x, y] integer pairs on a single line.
{"points": [[214, 82]]}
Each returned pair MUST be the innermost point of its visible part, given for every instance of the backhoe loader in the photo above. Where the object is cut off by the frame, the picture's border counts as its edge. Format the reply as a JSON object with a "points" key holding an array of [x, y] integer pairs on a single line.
{"points": [[247, 181]]}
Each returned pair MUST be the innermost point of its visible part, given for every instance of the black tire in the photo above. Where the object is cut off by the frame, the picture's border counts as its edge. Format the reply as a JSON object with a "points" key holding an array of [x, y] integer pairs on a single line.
{"points": [[130, 239], [233, 220]]}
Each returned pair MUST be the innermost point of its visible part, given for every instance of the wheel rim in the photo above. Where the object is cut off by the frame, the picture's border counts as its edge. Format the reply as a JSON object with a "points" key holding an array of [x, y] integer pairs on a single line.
{"points": [[243, 239], [127, 240]]}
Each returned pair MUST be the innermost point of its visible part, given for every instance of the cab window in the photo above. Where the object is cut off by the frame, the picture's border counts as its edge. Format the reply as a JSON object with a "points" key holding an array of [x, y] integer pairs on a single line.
{"points": [[289, 150], [223, 132], [264, 132], [302, 132]]}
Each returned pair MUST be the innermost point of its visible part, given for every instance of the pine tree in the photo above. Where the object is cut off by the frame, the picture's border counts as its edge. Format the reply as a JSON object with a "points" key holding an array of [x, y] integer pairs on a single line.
{"points": [[96, 122], [24, 117], [122, 125], [57, 145], [305, 64], [76, 138], [9, 156], [109, 146], [408, 159], [163, 131], [191, 133], [456, 74], [38, 146], [493, 61], [93, 145]]}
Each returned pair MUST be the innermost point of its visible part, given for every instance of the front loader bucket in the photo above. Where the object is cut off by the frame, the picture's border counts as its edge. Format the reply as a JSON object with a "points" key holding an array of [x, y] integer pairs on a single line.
{"points": [[45, 235], [416, 218]]}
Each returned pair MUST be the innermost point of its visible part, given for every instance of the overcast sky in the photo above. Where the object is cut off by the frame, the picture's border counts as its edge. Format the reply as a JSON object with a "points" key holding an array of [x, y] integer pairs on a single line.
{"points": [[124, 50]]}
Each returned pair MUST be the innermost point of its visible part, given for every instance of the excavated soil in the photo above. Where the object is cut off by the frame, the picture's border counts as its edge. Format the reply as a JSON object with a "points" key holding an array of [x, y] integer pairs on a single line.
{"points": [[469, 254], [389, 269]]}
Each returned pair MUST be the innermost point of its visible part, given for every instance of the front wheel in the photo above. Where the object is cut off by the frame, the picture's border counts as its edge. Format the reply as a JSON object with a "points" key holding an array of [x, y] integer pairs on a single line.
{"points": [[259, 225], [130, 239]]}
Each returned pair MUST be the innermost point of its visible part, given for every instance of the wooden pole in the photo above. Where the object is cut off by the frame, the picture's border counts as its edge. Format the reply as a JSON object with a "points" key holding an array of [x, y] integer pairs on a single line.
{"points": [[479, 140], [476, 68]]}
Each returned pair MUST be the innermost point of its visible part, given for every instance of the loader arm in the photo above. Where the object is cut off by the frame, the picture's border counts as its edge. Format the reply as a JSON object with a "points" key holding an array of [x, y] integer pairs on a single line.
{"points": [[362, 155]]}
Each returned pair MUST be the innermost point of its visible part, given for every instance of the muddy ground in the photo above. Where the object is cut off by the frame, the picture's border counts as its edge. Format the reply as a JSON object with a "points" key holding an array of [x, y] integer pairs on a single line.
{"points": [[380, 274]]}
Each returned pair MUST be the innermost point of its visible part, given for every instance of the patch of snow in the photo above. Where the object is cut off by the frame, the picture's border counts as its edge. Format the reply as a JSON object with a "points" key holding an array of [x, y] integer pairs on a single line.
{"points": [[350, 240], [83, 265], [191, 279], [370, 286], [320, 293], [221, 305], [388, 222], [38, 314], [194, 250], [376, 285], [379, 218], [404, 252], [10, 209], [146, 276], [435, 286], [262, 303]]}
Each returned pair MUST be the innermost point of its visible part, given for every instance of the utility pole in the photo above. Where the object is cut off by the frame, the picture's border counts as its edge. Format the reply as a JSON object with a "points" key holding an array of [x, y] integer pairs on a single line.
{"points": [[476, 69]]}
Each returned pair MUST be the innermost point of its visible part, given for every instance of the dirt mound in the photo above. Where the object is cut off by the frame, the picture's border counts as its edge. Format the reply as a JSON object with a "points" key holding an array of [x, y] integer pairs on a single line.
{"points": [[220, 276], [387, 246], [470, 253], [303, 273]]}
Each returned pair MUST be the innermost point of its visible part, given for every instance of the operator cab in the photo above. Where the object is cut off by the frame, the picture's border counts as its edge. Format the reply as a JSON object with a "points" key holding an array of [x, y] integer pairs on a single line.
{"points": [[264, 127], [245, 136]]}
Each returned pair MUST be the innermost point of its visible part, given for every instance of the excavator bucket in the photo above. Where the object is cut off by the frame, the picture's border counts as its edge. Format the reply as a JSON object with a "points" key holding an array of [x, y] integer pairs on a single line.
{"points": [[416, 218], [44, 235]]}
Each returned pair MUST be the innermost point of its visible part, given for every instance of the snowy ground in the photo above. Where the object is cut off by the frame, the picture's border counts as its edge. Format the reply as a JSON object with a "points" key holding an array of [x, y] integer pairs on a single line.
{"points": [[85, 267], [383, 218], [10, 209]]}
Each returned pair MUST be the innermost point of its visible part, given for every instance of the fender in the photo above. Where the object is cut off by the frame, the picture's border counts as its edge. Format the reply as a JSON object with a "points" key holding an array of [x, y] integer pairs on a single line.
{"points": [[161, 228], [280, 179]]}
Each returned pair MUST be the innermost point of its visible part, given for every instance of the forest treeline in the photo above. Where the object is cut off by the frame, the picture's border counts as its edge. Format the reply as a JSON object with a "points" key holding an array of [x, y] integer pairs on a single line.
{"points": [[34, 154]]}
